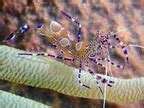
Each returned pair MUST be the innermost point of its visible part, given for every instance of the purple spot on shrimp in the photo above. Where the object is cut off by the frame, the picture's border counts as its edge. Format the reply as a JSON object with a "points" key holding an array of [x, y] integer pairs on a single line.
{"points": [[86, 86], [98, 77], [109, 85], [10, 37], [104, 80], [111, 81], [59, 57], [24, 54], [39, 25], [51, 55]]}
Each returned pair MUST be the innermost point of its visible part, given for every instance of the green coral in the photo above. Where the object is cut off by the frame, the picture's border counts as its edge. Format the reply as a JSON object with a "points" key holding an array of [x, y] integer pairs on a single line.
{"points": [[8, 100], [47, 73]]}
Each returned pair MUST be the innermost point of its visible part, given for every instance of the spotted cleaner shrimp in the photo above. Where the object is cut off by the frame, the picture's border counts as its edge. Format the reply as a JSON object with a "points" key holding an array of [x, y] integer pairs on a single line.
{"points": [[83, 51]]}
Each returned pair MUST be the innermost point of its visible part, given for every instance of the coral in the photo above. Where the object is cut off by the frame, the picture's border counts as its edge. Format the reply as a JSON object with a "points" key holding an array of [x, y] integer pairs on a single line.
{"points": [[8, 100], [46, 73]]}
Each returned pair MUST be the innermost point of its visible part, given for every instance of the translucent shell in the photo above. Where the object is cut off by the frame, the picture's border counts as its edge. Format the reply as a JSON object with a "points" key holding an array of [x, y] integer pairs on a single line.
{"points": [[70, 37], [78, 46], [64, 42], [55, 27], [81, 49], [52, 29]]}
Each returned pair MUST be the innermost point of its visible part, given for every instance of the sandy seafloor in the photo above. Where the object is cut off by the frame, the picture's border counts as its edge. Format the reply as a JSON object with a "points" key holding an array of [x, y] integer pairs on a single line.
{"points": [[126, 16]]}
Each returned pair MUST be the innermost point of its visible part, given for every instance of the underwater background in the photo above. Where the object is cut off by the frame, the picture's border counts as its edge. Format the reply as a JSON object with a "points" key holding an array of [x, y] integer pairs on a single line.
{"points": [[103, 15]]}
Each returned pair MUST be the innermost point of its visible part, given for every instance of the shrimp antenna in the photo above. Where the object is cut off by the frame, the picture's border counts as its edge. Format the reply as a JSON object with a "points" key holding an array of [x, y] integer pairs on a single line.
{"points": [[131, 45], [122, 30]]}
